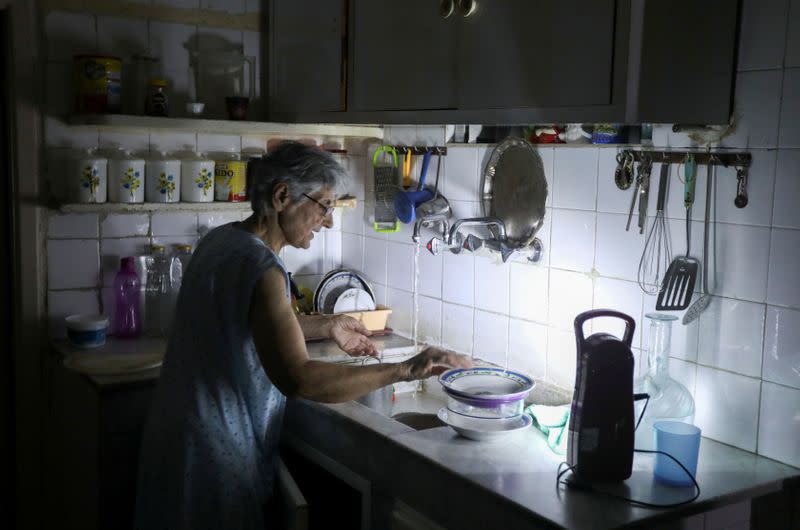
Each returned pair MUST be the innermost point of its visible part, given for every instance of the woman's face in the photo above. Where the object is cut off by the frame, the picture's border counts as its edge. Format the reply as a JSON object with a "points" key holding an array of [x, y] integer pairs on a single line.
{"points": [[303, 218]]}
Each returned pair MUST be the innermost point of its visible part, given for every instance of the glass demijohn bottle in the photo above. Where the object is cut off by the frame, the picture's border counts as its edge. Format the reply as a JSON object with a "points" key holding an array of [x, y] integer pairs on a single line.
{"points": [[669, 400]]}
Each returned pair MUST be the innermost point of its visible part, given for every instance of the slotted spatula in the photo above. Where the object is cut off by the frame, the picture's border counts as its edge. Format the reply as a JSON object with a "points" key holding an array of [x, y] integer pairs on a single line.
{"points": [[678, 285], [702, 303]]}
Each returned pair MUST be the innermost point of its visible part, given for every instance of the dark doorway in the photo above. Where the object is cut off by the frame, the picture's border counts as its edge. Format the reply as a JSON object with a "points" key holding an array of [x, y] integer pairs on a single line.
{"points": [[7, 256]]}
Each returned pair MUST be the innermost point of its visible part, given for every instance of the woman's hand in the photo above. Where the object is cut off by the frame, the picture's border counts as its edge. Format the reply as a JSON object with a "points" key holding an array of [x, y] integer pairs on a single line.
{"points": [[433, 361], [351, 336]]}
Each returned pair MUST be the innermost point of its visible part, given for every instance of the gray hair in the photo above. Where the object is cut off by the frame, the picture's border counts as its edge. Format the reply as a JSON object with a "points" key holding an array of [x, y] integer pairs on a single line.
{"points": [[306, 169]]}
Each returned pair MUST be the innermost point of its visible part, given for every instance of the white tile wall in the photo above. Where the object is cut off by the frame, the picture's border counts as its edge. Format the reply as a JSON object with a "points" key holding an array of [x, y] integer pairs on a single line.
{"points": [[779, 425], [727, 407], [782, 346], [523, 310]]}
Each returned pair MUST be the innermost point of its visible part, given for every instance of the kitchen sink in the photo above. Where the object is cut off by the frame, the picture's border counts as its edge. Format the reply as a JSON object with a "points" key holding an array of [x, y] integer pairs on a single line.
{"points": [[419, 420]]}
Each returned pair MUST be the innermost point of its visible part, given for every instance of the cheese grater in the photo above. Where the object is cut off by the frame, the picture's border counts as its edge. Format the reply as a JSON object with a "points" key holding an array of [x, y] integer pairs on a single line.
{"points": [[386, 185]]}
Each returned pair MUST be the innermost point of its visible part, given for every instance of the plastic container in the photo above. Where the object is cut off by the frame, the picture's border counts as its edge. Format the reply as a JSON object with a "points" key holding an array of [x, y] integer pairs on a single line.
{"points": [[669, 400], [87, 331], [477, 408], [180, 261], [159, 293], [682, 441], [127, 318], [372, 320], [230, 177]]}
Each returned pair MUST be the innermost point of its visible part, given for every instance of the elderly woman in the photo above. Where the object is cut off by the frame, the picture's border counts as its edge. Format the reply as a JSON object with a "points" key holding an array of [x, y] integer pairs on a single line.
{"points": [[238, 350]]}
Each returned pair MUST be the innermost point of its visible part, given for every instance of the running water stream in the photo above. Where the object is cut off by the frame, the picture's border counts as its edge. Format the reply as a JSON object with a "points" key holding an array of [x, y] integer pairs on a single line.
{"points": [[415, 314]]}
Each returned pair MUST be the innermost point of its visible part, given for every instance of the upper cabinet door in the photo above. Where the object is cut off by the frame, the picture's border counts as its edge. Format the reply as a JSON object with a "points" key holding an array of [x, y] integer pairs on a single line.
{"points": [[306, 71], [536, 53], [403, 56]]}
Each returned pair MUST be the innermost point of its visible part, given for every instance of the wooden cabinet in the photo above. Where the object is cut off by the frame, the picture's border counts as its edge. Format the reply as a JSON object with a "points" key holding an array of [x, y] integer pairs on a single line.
{"points": [[509, 62], [92, 453]]}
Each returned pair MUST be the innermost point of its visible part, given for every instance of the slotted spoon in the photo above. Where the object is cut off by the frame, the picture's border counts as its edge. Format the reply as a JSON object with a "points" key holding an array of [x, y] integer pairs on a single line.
{"points": [[702, 303]]}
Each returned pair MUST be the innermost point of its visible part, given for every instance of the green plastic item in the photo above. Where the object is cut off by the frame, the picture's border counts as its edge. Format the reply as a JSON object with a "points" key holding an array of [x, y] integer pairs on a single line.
{"points": [[386, 186]]}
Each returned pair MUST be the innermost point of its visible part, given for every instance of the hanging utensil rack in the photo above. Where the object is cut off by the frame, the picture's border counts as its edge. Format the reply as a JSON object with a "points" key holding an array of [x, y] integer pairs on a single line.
{"points": [[725, 159], [439, 150]]}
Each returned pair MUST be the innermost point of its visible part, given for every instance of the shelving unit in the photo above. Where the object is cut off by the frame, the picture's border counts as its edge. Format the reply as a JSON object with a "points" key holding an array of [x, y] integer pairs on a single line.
{"points": [[134, 124], [173, 207]]}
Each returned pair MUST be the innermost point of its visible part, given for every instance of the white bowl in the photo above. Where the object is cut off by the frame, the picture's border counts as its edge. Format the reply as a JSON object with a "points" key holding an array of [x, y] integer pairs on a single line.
{"points": [[87, 331], [483, 429]]}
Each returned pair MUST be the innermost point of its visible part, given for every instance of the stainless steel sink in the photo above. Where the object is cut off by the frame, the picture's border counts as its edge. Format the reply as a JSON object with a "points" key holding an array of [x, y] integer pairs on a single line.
{"points": [[419, 420]]}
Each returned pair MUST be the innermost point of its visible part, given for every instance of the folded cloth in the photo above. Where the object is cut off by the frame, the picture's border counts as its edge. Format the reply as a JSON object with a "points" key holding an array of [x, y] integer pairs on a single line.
{"points": [[553, 422]]}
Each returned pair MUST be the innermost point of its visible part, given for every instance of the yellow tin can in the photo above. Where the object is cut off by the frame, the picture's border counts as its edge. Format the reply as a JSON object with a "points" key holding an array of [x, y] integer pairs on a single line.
{"points": [[230, 180], [98, 84]]}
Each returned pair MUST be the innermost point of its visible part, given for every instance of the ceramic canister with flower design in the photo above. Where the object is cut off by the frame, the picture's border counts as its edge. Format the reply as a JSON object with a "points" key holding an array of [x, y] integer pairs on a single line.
{"points": [[163, 182], [197, 178], [88, 183], [125, 178]]}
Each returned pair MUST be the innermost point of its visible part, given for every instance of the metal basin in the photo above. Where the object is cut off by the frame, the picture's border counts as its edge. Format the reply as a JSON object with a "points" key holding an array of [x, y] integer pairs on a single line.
{"points": [[418, 420]]}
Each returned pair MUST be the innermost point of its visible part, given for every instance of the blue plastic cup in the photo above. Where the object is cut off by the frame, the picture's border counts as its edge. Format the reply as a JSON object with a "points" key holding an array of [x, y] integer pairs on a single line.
{"points": [[682, 441]]}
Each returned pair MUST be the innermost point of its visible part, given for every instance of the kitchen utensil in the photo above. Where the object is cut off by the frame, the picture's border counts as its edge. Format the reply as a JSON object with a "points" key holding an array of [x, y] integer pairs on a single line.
{"points": [[678, 285], [514, 190], [374, 320], [483, 408], [639, 192], [644, 193], [682, 442], [657, 254], [483, 429], [623, 175], [113, 363], [386, 185], [483, 383], [741, 187], [693, 313], [406, 202], [601, 426], [407, 169], [690, 179], [353, 299]]}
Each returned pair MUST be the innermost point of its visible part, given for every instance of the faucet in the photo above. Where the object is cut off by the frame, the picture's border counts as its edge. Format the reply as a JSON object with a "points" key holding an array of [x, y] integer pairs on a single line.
{"points": [[476, 221], [428, 221]]}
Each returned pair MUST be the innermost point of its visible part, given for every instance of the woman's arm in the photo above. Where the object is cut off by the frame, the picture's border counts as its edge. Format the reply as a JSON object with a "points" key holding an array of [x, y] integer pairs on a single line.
{"points": [[281, 347], [348, 333]]}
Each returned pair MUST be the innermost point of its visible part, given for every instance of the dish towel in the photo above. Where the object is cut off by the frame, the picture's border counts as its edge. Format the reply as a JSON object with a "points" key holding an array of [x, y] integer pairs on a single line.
{"points": [[553, 422]]}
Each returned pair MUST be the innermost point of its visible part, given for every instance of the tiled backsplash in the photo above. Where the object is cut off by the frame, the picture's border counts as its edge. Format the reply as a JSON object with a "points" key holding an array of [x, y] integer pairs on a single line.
{"points": [[741, 360]]}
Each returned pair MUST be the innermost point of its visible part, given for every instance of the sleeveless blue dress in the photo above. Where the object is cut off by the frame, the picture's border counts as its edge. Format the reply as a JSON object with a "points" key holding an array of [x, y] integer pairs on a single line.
{"points": [[210, 443]]}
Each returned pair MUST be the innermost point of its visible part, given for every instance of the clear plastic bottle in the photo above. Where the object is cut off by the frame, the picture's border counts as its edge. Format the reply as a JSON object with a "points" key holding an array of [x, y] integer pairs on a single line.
{"points": [[127, 320], [159, 293], [180, 261], [669, 400]]}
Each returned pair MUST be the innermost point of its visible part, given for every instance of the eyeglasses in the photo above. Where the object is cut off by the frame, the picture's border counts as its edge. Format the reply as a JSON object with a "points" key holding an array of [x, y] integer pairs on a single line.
{"points": [[326, 210]]}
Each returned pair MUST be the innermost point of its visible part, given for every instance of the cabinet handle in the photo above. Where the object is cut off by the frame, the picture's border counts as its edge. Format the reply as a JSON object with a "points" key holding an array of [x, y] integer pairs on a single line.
{"points": [[467, 7], [446, 8]]}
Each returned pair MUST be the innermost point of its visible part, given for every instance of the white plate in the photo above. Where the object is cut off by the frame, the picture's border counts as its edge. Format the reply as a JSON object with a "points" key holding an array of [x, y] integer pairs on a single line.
{"points": [[483, 429], [334, 284], [113, 363], [354, 299]]}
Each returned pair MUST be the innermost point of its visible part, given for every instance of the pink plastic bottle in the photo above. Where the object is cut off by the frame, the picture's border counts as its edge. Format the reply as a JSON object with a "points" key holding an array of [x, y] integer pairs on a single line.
{"points": [[127, 322]]}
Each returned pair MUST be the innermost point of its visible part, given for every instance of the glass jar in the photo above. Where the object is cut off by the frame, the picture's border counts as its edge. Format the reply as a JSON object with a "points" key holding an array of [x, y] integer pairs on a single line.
{"points": [[156, 100], [669, 400]]}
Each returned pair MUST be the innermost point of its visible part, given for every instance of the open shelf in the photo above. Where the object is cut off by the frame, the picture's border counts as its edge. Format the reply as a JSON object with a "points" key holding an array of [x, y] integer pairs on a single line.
{"points": [[113, 207], [131, 123]]}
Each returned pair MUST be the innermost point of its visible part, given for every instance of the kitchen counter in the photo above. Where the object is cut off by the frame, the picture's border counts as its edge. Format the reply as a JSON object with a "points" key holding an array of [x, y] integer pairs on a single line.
{"points": [[511, 482], [389, 346]]}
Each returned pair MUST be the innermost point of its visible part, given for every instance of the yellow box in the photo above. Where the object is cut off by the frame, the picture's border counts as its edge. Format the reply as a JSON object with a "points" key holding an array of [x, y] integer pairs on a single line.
{"points": [[372, 320]]}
